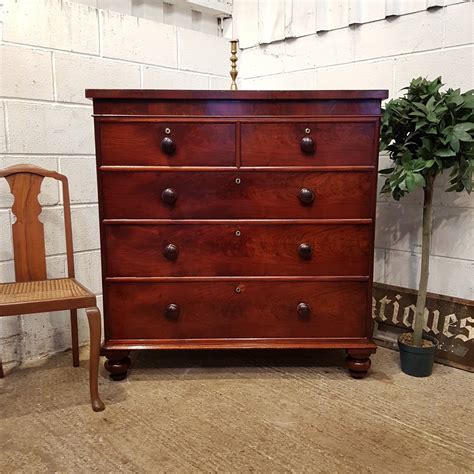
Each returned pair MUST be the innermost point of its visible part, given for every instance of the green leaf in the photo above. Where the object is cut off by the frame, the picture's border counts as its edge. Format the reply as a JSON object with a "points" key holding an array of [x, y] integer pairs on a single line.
{"points": [[445, 152], [463, 136], [387, 171], [419, 180], [464, 127], [410, 182]]}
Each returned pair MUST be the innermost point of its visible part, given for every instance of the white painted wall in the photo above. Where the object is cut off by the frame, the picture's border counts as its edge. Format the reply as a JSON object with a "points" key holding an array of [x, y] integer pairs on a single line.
{"points": [[386, 54], [51, 50]]}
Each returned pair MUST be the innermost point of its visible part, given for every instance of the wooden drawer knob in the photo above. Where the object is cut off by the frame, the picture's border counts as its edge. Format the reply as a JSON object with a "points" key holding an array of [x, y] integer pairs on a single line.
{"points": [[306, 196], [307, 145], [168, 145], [304, 310], [172, 311], [169, 196], [304, 251], [171, 252]]}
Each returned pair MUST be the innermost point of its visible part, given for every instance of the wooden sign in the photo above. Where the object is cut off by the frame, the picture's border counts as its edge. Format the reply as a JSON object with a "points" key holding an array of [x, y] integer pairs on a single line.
{"points": [[449, 319]]}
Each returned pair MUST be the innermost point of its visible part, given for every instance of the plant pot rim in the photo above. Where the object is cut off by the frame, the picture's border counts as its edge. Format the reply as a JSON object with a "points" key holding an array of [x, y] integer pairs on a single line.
{"points": [[415, 349]]}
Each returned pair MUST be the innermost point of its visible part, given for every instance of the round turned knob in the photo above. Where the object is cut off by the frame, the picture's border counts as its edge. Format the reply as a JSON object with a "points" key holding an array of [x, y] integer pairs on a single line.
{"points": [[304, 310], [306, 196], [169, 196], [172, 311], [168, 145], [171, 252], [304, 251], [307, 145]]}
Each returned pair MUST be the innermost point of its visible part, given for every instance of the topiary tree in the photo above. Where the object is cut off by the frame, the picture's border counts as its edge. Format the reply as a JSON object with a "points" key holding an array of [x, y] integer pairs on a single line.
{"points": [[426, 132]]}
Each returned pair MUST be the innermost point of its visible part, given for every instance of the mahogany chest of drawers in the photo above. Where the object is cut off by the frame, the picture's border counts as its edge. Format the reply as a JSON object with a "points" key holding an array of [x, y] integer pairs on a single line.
{"points": [[237, 220]]}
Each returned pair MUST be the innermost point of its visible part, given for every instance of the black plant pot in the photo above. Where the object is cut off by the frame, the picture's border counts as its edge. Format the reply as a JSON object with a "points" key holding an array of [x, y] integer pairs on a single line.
{"points": [[418, 361]]}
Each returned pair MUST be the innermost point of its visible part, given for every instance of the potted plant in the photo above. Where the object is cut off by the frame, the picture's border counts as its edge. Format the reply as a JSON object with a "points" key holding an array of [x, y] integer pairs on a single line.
{"points": [[426, 132]]}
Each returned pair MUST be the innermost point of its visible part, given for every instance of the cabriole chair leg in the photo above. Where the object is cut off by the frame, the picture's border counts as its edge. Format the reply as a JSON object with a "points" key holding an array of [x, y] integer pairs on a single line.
{"points": [[93, 316]]}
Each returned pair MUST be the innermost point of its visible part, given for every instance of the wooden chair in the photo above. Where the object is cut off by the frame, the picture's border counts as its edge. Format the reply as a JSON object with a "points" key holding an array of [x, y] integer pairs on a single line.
{"points": [[32, 292]]}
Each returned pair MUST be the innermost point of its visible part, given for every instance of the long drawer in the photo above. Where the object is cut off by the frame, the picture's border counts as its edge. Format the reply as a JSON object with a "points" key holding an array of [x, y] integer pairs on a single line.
{"points": [[236, 194], [227, 309], [308, 144], [237, 249], [173, 144]]}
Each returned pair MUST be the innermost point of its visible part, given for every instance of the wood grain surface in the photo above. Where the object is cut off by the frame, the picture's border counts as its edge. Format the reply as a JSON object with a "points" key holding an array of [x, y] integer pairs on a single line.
{"points": [[237, 249], [259, 194], [229, 309]]}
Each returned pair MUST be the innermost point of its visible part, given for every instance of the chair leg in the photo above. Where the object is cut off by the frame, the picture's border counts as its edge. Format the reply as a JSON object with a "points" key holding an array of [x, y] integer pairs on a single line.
{"points": [[93, 316], [74, 338]]}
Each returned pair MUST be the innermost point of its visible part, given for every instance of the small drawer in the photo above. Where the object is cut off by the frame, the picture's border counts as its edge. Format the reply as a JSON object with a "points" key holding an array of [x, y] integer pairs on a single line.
{"points": [[167, 144], [247, 309], [309, 144], [237, 249], [236, 195]]}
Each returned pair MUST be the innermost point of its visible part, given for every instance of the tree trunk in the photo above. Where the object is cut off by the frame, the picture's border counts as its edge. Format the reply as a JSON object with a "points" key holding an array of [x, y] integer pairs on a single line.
{"points": [[425, 261]]}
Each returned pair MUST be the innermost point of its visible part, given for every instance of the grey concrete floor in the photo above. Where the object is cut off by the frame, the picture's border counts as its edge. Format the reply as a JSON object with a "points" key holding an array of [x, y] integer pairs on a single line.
{"points": [[237, 412]]}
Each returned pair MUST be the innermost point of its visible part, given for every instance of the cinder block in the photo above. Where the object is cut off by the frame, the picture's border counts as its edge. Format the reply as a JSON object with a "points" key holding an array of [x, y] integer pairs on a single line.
{"points": [[88, 270], [52, 24], [45, 333], [450, 277], [245, 23], [173, 79], [10, 340], [359, 75], [54, 129], [26, 73], [148, 9], [379, 265], [453, 233], [138, 40], [85, 227], [82, 177], [398, 226], [203, 53], [76, 73], [221, 83], [7, 271], [451, 199], [455, 66], [6, 243], [56, 266], [3, 132], [323, 49], [261, 61], [459, 24], [299, 80], [406, 34], [92, 3], [121, 6], [9, 327]]}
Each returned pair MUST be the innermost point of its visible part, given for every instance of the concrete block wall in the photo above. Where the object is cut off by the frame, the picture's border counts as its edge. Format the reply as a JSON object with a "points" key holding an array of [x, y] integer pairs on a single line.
{"points": [[51, 50], [387, 54]]}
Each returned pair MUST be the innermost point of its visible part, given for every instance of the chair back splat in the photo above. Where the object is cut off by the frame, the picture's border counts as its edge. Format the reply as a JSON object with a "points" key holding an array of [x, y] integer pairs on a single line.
{"points": [[28, 231]]}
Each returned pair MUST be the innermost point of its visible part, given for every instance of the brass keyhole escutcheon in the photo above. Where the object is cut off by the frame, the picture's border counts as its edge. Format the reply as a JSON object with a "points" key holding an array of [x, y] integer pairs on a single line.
{"points": [[237, 233], [307, 130], [238, 180], [238, 289], [167, 130]]}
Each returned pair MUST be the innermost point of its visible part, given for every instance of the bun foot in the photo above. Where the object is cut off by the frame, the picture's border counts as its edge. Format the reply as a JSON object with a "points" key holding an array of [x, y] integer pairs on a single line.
{"points": [[358, 362], [117, 364]]}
